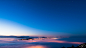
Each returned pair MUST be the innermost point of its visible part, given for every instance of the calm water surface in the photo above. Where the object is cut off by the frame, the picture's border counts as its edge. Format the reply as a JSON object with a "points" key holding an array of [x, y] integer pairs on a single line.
{"points": [[46, 43]]}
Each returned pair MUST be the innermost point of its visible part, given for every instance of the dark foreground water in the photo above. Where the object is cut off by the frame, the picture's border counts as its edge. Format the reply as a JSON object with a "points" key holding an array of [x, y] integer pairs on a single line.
{"points": [[46, 43]]}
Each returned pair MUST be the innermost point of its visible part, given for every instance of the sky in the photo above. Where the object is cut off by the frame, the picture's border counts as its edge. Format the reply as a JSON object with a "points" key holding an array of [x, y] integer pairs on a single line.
{"points": [[42, 17]]}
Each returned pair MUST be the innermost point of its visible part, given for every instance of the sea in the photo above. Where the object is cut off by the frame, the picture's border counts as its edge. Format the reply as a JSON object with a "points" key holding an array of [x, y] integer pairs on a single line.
{"points": [[45, 43]]}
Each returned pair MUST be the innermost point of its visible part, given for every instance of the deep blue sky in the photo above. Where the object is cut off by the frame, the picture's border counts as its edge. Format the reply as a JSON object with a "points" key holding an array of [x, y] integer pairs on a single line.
{"points": [[68, 16]]}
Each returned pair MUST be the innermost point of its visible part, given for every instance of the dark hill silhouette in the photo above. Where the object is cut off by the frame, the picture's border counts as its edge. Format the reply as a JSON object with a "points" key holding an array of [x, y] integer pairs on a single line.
{"points": [[80, 46]]}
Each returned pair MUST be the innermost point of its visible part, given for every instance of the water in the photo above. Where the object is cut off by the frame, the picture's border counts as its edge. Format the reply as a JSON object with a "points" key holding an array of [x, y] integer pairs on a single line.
{"points": [[47, 43]]}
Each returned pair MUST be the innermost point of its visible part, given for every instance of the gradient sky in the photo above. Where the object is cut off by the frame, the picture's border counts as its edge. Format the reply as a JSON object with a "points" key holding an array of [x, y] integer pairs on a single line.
{"points": [[40, 17]]}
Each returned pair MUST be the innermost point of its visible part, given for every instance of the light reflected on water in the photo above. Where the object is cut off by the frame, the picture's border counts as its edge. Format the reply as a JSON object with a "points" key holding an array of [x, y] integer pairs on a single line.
{"points": [[52, 40], [15, 42], [7, 39], [3, 40], [37, 46]]}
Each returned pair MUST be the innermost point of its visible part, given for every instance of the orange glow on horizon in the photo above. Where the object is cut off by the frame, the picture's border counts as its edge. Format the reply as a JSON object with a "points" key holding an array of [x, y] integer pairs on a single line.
{"points": [[38, 46]]}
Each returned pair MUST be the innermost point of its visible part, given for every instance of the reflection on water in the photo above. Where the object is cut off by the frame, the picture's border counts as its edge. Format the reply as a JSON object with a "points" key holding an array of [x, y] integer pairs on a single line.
{"points": [[52, 40], [36, 46], [7, 39], [46, 43]]}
